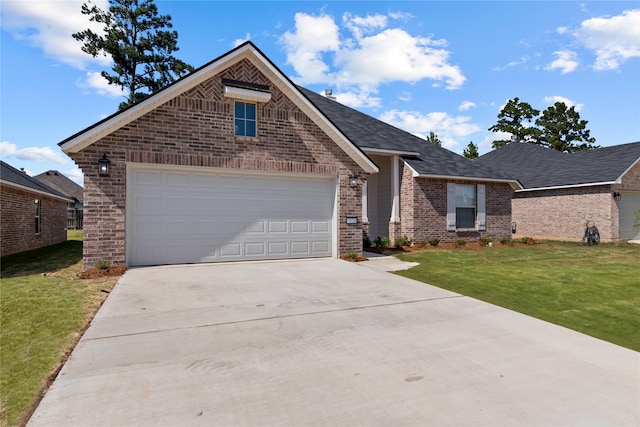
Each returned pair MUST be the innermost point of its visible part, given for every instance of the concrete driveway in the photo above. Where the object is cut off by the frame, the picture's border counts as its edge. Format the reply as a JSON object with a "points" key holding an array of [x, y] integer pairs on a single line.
{"points": [[329, 343]]}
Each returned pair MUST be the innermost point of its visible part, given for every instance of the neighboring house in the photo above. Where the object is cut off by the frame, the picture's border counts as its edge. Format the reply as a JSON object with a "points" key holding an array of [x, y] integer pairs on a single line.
{"points": [[64, 185], [33, 215], [563, 191], [235, 162]]}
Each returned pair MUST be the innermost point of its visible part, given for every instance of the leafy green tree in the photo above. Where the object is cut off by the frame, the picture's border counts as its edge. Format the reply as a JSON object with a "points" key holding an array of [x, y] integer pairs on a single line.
{"points": [[512, 119], [563, 130], [139, 42], [471, 152], [433, 138]]}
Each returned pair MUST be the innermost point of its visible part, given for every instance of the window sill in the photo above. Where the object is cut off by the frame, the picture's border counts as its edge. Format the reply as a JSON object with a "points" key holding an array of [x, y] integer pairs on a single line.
{"points": [[247, 138]]}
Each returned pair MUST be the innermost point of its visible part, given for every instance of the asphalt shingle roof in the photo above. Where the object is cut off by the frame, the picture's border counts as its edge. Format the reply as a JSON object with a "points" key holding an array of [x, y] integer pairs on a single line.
{"points": [[61, 183], [11, 174], [367, 132], [538, 167]]}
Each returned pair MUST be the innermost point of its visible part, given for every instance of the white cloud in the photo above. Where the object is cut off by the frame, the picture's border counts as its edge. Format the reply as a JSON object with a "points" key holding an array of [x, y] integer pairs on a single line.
{"points": [[49, 26], [359, 25], [522, 60], [313, 36], [238, 42], [405, 96], [371, 55], [453, 131], [75, 175], [562, 30], [466, 105], [359, 99], [569, 103], [100, 85], [613, 39], [33, 154], [566, 62]]}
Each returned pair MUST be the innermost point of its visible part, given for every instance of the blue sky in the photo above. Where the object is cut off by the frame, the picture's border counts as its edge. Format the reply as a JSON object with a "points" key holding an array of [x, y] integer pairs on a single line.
{"points": [[425, 66]]}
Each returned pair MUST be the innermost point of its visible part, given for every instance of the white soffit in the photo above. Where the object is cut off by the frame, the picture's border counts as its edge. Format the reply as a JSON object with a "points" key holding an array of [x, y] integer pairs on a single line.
{"points": [[246, 94]]}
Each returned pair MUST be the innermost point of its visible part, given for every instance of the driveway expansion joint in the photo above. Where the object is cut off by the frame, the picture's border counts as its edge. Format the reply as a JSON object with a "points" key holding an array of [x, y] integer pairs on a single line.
{"points": [[284, 316]]}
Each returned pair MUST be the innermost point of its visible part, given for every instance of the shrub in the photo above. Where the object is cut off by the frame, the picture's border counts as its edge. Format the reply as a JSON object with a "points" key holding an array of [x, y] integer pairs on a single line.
{"points": [[485, 241], [352, 255], [528, 241], [102, 264], [460, 243], [401, 241], [434, 242], [382, 242], [366, 242], [421, 243], [506, 240]]}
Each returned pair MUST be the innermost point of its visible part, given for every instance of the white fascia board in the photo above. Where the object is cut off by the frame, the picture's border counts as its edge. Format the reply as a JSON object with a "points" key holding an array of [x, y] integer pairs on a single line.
{"points": [[562, 187], [33, 190], [84, 139], [246, 94], [380, 151], [514, 184]]}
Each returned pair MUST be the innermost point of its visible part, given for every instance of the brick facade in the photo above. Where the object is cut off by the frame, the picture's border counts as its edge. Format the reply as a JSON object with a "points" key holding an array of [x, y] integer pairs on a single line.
{"points": [[197, 129], [563, 213], [18, 221], [424, 210]]}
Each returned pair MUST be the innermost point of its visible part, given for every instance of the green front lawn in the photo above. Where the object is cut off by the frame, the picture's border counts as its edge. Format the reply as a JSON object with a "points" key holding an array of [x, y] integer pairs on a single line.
{"points": [[43, 309], [591, 289]]}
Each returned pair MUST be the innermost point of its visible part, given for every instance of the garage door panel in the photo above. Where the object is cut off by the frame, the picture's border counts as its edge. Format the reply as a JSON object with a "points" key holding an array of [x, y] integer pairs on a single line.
{"points": [[176, 217], [300, 248], [320, 246]]}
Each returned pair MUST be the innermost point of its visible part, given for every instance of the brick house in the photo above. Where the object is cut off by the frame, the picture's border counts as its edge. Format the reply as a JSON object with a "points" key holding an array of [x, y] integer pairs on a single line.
{"points": [[64, 185], [562, 191], [33, 215], [236, 162]]}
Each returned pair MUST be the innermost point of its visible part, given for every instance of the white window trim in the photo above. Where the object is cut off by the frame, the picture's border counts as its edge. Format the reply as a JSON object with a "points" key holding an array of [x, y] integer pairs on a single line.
{"points": [[481, 210], [245, 120]]}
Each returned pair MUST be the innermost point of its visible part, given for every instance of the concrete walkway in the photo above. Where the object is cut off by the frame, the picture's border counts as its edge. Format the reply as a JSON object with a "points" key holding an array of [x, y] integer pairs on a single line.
{"points": [[329, 343]]}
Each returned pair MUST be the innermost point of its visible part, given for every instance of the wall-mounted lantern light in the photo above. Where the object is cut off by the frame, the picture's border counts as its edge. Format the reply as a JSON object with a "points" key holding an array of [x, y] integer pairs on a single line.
{"points": [[103, 165], [353, 181], [617, 196]]}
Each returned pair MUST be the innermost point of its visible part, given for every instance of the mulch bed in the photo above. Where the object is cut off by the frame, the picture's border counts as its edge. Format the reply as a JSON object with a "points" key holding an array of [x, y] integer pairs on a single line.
{"points": [[94, 273]]}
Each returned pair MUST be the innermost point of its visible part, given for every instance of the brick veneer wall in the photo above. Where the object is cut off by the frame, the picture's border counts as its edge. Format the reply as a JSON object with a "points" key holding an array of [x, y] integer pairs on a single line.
{"points": [[197, 129], [424, 210], [563, 213], [631, 180], [18, 221]]}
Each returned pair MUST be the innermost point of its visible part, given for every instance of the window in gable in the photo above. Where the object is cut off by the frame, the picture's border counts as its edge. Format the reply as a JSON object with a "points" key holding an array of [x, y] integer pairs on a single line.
{"points": [[245, 119], [37, 207]]}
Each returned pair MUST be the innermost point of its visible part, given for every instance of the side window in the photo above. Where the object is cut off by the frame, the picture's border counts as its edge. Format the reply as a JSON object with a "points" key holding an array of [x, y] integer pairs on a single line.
{"points": [[37, 207], [245, 119], [465, 206]]}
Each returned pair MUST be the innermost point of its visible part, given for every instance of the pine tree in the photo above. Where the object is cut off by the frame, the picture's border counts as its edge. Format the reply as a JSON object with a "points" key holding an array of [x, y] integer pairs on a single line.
{"points": [[139, 42], [471, 152]]}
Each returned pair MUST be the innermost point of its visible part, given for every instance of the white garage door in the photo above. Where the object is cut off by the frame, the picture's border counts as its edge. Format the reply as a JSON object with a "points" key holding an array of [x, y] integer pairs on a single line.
{"points": [[188, 216], [629, 204]]}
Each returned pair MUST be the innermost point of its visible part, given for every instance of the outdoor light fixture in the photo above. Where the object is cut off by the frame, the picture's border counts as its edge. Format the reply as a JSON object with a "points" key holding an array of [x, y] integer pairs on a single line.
{"points": [[617, 196], [353, 181], [103, 165]]}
